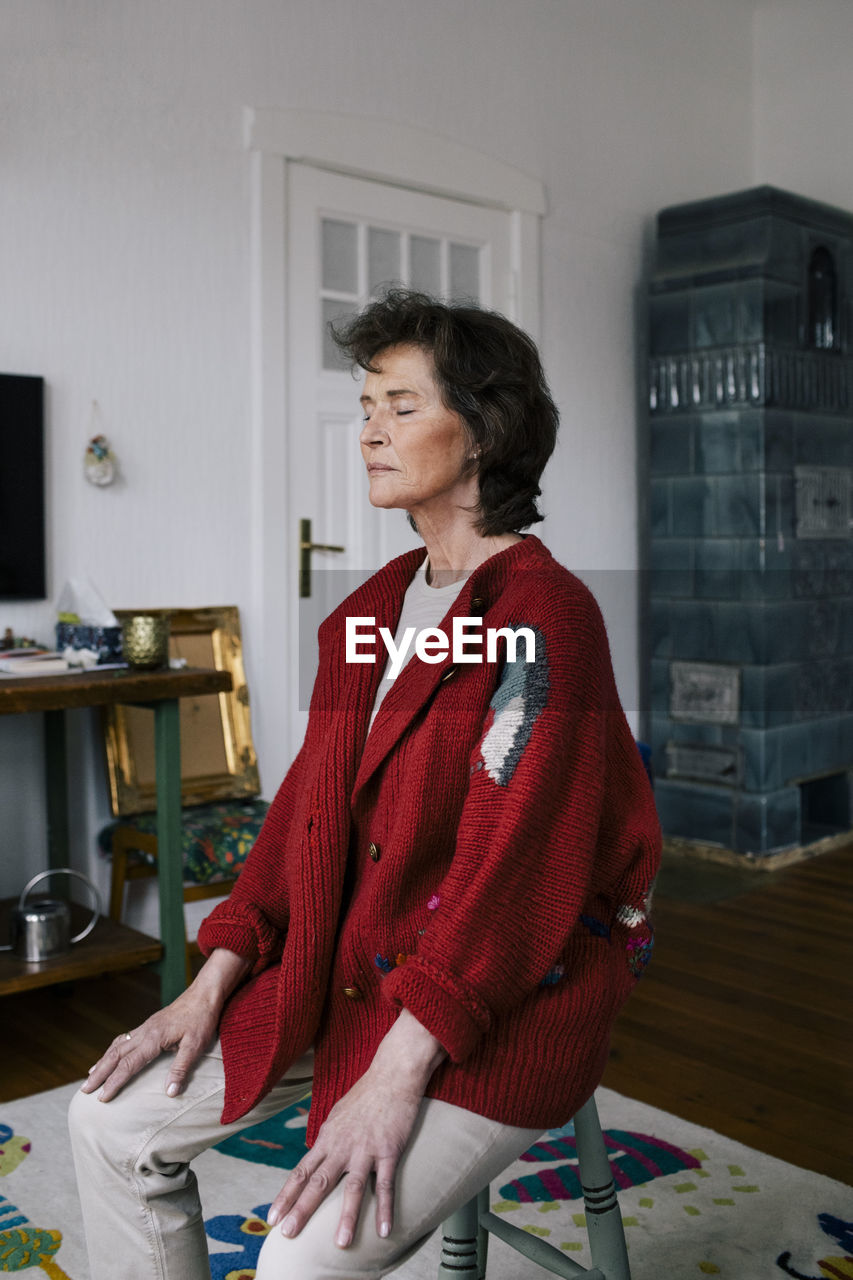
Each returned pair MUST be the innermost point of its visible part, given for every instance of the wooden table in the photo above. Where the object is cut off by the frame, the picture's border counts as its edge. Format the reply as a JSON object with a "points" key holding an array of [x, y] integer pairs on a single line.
{"points": [[159, 691]]}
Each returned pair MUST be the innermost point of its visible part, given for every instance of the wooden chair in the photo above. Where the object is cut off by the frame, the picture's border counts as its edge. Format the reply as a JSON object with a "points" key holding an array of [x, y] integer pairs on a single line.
{"points": [[209, 872], [126, 844], [466, 1232]]}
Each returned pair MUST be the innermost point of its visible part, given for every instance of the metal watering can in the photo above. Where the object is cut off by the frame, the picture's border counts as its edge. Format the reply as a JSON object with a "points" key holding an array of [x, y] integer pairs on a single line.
{"points": [[42, 930]]}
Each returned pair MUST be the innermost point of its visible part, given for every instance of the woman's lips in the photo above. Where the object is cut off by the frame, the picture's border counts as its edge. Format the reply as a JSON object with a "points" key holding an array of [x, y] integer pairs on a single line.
{"points": [[377, 467]]}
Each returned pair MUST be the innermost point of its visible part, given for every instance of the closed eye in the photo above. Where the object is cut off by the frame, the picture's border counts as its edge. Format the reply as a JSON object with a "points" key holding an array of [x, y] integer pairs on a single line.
{"points": [[400, 413]]}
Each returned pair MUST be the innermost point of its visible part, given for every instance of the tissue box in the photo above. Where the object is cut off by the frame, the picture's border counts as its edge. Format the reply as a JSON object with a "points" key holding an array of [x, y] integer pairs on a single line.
{"points": [[105, 641]]}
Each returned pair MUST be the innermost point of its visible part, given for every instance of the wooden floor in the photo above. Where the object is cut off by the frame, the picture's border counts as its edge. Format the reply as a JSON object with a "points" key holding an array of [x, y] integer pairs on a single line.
{"points": [[741, 1023]]}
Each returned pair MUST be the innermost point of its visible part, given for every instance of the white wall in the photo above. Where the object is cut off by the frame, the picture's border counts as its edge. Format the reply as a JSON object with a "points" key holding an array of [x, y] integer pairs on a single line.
{"points": [[804, 98], [124, 207]]}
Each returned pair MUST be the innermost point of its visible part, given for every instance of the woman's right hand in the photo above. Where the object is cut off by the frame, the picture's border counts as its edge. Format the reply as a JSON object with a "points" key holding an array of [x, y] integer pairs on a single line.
{"points": [[187, 1025]]}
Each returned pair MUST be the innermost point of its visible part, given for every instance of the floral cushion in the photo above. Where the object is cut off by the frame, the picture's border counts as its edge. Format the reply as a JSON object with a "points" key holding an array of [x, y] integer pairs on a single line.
{"points": [[216, 838]]}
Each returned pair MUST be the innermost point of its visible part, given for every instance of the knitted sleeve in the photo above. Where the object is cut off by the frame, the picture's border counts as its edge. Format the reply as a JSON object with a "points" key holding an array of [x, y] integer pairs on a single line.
{"points": [[526, 839], [252, 921]]}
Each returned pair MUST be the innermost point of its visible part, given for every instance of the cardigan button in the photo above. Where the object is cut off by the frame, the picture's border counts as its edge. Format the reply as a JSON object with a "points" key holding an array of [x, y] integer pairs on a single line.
{"points": [[374, 851], [478, 603], [352, 993], [451, 671]]}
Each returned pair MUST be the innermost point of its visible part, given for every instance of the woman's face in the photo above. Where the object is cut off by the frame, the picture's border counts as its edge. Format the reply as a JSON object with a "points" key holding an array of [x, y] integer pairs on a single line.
{"points": [[414, 447]]}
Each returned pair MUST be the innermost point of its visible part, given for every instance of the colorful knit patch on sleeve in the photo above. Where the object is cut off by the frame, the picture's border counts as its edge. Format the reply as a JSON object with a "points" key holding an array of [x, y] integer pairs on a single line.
{"points": [[638, 948], [639, 952], [519, 698]]}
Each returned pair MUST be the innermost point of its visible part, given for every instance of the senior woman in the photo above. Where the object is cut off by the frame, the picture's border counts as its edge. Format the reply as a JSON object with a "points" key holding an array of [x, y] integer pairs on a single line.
{"points": [[446, 906]]}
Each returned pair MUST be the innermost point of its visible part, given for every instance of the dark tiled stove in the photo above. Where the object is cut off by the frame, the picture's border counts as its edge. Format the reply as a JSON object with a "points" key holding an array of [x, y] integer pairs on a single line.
{"points": [[751, 583]]}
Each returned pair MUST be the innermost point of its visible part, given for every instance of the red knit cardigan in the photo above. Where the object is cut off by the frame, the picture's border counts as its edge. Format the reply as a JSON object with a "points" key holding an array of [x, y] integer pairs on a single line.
{"points": [[483, 860]]}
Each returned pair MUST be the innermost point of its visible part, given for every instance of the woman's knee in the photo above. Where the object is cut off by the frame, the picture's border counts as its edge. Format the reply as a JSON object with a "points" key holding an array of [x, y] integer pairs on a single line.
{"points": [[313, 1254], [83, 1118], [102, 1130]]}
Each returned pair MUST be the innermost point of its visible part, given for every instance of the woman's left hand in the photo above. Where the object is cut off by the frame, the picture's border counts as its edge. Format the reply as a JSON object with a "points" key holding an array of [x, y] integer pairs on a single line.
{"points": [[365, 1133]]}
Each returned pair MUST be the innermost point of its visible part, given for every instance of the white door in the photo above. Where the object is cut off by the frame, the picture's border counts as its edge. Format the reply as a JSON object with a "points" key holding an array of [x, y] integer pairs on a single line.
{"points": [[346, 238]]}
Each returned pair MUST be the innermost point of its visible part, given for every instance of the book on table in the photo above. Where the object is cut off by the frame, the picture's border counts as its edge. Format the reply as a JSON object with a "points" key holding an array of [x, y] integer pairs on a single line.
{"points": [[32, 662]]}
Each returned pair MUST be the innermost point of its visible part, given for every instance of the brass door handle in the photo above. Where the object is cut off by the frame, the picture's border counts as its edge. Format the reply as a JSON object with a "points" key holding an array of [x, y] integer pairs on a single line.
{"points": [[306, 546]]}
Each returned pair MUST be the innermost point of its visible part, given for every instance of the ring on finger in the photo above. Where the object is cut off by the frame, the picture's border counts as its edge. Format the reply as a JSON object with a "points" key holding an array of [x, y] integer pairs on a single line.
{"points": [[128, 1035]]}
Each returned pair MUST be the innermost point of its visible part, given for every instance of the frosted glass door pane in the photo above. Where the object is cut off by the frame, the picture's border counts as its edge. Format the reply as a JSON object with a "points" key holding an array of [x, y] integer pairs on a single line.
{"points": [[337, 311], [464, 271], [426, 264], [383, 258], [340, 256]]}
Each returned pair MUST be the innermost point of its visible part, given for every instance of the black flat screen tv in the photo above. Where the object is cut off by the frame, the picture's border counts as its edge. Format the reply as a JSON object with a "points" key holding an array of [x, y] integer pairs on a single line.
{"points": [[22, 533]]}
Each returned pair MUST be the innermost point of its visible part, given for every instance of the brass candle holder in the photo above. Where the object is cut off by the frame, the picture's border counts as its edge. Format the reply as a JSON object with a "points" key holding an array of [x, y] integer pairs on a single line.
{"points": [[145, 641]]}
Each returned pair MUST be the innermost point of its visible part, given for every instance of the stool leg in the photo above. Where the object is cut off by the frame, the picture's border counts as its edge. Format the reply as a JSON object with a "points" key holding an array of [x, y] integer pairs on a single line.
{"points": [[603, 1219], [459, 1246], [483, 1206]]}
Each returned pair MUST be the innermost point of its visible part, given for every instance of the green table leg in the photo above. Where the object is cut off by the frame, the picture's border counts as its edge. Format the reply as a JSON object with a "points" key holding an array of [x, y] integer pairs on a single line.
{"points": [[56, 779], [170, 877]]}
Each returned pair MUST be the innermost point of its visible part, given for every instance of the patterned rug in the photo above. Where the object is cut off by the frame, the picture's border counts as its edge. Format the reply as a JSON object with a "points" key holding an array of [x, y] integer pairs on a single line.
{"points": [[694, 1203]]}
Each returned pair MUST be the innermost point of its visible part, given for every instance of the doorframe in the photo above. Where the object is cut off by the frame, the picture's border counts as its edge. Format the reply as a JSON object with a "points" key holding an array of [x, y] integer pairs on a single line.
{"points": [[379, 150]]}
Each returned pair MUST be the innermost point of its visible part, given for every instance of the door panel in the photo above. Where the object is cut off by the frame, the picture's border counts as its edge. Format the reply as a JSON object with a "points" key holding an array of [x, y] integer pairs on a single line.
{"points": [[347, 238]]}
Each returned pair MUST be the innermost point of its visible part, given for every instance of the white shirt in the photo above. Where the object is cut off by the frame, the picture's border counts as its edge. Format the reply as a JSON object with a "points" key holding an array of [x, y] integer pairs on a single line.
{"points": [[423, 606]]}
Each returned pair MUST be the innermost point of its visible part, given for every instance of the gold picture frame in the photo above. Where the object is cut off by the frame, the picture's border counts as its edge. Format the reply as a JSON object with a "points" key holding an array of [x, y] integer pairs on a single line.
{"points": [[218, 760]]}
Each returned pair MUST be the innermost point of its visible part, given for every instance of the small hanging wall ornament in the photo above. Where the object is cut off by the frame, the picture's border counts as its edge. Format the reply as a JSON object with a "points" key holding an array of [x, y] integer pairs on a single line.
{"points": [[100, 462]]}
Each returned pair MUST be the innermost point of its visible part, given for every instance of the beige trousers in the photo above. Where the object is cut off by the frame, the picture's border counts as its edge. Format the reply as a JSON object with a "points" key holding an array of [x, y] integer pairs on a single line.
{"points": [[141, 1208]]}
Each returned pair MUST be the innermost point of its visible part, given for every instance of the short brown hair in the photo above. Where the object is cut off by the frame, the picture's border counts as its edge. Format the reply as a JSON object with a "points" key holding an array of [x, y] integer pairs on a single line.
{"points": [[489, 372]]}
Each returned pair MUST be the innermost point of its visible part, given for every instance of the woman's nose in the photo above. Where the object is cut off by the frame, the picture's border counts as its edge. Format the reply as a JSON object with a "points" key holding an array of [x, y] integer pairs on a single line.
{"points": [[372, 432]]}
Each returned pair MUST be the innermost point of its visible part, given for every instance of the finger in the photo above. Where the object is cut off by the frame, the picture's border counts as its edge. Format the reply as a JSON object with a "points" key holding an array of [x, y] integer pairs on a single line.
{"points": [[386, 1168], [114, 1080], [96, 1076], [293, 1188], [315, 1190], [107, 1063], [355, 1185], [129, 1063], [129, 1066], [190, 1050]]}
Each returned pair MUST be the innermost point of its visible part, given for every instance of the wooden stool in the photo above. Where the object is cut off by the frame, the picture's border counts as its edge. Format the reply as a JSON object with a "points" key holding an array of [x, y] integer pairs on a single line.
{"points": [[466, 1232]]}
